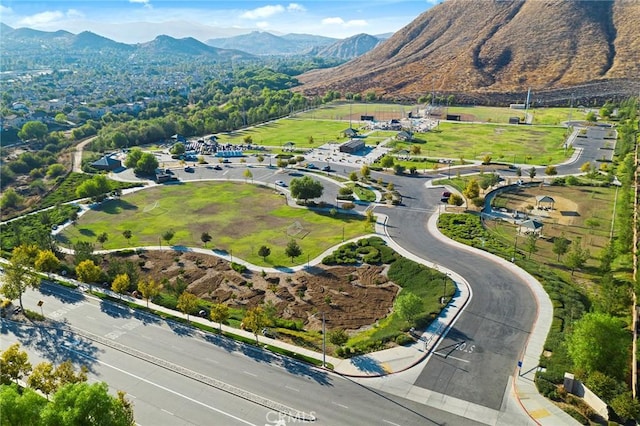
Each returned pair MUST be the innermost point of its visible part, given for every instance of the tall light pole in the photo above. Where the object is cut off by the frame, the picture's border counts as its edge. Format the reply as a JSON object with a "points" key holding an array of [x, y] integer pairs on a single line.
{"points": [[324, 340], [444, 287]]}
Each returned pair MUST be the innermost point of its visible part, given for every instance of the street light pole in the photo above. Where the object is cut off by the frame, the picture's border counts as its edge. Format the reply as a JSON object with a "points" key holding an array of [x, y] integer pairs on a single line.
{"points": [[444, 287], [324, 343]]}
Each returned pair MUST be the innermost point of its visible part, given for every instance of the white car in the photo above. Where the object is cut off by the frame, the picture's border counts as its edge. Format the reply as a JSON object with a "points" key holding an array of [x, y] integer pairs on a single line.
{"points": [[280, 183]]}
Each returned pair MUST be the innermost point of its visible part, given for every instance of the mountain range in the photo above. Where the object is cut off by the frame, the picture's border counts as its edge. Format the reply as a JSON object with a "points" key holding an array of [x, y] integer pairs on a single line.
{"points": [[27, 41], [486, 47]]}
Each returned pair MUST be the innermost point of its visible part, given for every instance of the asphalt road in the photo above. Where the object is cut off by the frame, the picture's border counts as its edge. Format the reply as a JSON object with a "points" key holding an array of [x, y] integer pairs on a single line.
{"points": [[162, 396]]}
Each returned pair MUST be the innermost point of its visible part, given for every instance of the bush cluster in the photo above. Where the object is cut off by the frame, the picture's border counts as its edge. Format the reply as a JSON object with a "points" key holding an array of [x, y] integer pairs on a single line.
{"points": [[369, 250]]}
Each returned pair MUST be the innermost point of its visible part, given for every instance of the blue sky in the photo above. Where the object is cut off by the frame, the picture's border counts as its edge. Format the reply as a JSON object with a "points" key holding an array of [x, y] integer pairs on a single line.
{"points": [[134, 21]]}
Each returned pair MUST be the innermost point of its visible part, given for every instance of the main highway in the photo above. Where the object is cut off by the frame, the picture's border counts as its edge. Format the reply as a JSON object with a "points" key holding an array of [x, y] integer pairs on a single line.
{"points": [[176, 375]]}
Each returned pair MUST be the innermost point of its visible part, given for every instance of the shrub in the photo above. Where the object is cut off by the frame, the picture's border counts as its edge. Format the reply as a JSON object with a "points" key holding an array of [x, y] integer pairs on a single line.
{"points": [[403, 339], [238, 267]]}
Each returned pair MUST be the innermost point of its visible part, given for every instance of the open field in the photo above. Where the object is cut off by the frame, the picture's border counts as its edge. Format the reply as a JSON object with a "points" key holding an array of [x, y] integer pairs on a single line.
{"points": [[295, 130], [580, 213], [513, 144], [239, 217], [353, 111], [501, 115]]}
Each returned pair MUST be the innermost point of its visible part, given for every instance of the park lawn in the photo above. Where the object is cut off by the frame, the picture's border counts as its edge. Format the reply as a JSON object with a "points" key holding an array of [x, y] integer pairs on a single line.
{"points": [[364, 194], [501, 115], [239, 217], [539, 145], [344, 111], [296, 130]]}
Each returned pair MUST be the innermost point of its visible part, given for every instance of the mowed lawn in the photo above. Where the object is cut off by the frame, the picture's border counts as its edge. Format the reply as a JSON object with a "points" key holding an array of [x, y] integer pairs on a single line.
{"points": [[239, 217], [298, 131], [517, 144]]}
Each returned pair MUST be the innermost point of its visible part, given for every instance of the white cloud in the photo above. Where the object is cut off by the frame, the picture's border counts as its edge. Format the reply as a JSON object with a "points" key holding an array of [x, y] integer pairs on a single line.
{"points": [[74, 14], [295, 7], [337, 21], [4, 10], [146, 3], [263, 12], [41, 18], [333, 21], [263, 25]]}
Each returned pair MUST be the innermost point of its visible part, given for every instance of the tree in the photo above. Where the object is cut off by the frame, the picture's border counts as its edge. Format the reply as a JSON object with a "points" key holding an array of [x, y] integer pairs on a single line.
{"points": [[46, 261], [33, 130], [600, 342], [455, 200], [86, 404], [626, 407], [83, 250], [88, 272], [472, 190], [187, 303], [148, 289], [591, 117], [147, 164], [168, 236], [14, 364], [519, 171], [43, 378], [94, 188], [248, 175], [305, 188], [20, 408], [550, 170], [577, 257], [205, 238], [386, 162], [219, 313], [18, 276], [531, 242], [586, 167], [255, 319], [66, 374], [120, 284], [415, 149], [127, 234], [178, 149], [365, 172], [353, 177], [264, 252], [102, 238], [10, 199], [132, 159], [408, 306], [260, 159], [532, 173], [293, 250], [338, 337], [560, 246]]}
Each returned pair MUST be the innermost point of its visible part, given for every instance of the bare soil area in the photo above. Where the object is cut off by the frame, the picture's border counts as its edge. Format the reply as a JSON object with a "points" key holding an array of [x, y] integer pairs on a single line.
{"points": [[352, 296]]}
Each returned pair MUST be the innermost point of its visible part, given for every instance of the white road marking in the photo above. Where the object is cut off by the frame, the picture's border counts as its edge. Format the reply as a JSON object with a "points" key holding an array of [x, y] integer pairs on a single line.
{"points": [[212, 360], [250, 374], [91, 318], [166, 411], [290, 388], [452, 357], [217, 410], [391, 423], [339, 405]]}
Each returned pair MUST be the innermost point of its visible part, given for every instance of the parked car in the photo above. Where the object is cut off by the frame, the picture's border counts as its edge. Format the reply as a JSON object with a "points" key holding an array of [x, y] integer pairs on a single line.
{"points": [[326, 168], [280, 183], [311, 166], [189, 169], [446, 194], [217, 167], [269, 333]]}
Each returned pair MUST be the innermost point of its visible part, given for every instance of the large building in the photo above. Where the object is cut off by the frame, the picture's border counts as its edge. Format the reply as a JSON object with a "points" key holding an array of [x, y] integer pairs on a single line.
{"points": [[354, 145]]}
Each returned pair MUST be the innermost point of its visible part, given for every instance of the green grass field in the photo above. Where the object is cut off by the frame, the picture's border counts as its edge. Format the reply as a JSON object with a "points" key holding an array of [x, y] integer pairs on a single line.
{"points": [[239, 217], [514, 144], [344, 111], [295, 130]]}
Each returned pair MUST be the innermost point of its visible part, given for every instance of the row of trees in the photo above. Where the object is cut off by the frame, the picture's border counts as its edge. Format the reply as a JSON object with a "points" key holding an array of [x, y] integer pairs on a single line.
{"points": [[73, 401]]}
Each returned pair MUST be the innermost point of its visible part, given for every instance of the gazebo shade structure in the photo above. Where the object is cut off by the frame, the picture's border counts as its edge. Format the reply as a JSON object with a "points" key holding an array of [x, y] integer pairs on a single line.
{"points": [[544, 200]]}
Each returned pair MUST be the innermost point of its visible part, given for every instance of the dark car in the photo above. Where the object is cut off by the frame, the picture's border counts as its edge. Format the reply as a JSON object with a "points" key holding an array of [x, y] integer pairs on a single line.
{"points": [[217, 167], [326, 169], [189, 169], [446, 194]]}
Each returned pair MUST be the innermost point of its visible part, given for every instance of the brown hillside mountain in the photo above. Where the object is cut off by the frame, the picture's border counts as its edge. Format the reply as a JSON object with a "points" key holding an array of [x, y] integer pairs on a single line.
{"points": [[496, 46]]}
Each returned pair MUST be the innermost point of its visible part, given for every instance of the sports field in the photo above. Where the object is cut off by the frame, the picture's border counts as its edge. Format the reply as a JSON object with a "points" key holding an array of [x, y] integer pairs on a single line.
{"points": [[239, 217]]}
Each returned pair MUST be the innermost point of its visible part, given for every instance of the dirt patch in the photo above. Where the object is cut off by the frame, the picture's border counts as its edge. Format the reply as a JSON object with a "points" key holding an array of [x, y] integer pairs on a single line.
{"points": [[352, 297], [563, 211]]}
